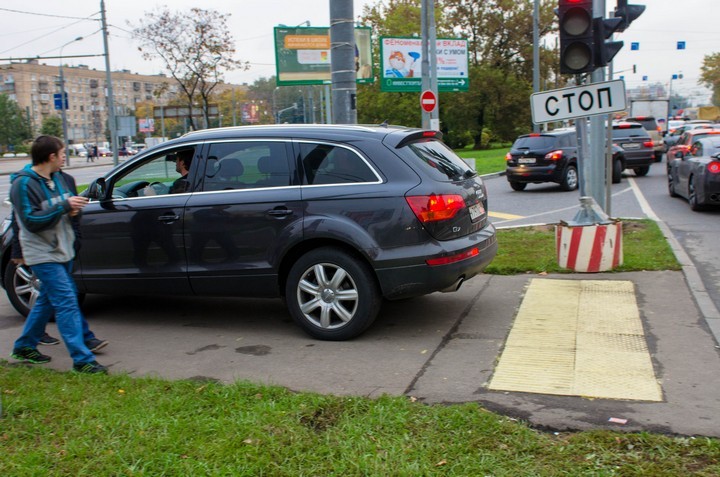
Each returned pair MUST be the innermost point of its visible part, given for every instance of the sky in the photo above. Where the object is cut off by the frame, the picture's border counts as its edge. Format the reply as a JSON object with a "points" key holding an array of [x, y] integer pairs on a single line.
{"points": [[41, 27]]}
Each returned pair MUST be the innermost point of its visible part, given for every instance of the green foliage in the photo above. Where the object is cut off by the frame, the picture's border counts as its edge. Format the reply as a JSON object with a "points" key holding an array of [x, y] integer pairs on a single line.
{"points": [[710, 75], [64, 424], [457, 139], [52, 126], [14, 128]]}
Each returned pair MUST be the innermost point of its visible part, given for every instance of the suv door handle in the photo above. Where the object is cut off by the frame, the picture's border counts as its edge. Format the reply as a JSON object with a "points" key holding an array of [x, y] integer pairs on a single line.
{"points": [[169, 218], [280, 212]]}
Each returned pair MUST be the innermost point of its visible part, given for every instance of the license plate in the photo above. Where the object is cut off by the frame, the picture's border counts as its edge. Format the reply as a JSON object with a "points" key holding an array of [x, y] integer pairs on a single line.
{"points": [[526, 160], [476, 211], [631, 145]]}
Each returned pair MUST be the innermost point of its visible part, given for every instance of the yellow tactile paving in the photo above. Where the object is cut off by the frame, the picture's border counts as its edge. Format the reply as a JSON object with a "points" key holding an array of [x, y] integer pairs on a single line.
{"points": [[578, 338], [501, 215]]}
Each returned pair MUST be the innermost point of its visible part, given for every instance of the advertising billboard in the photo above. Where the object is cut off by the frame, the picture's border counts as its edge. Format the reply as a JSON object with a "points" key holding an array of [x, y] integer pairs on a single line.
{"points": [[400, 60], [302, 55]]}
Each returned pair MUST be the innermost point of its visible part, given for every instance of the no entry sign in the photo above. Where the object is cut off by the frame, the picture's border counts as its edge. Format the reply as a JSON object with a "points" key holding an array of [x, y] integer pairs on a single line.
{"points": [[428, 101]]}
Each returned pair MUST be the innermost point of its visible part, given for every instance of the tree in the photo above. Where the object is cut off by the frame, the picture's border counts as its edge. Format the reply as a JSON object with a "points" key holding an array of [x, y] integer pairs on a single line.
{"points": [[499, 34], [710, 75], [52, 126], [196, 48], [14, 128]]}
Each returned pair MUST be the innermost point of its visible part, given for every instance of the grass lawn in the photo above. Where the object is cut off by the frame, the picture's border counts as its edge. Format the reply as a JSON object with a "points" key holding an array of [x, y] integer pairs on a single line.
{"points": [[487, 161], [61, 424]]}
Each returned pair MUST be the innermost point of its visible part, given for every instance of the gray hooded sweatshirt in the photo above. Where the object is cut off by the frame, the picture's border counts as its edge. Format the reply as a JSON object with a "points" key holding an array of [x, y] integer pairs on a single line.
{"points": [[41, 207]]}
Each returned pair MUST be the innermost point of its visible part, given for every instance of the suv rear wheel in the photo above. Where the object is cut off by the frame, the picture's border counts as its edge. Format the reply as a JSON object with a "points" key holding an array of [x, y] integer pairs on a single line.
{"points": [[642, 171], [570, 179], [518, 185], [617, 171], [332, 295]]}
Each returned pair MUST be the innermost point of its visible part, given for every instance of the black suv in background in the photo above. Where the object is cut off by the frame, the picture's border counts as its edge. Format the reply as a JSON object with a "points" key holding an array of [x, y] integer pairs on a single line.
{"points": [[636, 148], [334, 219], [544, 157], [655, 133]]}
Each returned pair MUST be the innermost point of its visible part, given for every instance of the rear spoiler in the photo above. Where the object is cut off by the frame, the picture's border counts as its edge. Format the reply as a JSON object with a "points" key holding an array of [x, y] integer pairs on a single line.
{"points": [[419, 135]]}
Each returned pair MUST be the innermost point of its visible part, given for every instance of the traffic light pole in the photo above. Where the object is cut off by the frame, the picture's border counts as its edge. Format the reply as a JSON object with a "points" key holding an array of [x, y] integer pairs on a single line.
{"points": [[596, 178]]}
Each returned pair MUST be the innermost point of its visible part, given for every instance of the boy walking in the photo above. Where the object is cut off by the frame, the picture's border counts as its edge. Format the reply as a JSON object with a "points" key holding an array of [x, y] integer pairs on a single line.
{"points": [[43, 206]]}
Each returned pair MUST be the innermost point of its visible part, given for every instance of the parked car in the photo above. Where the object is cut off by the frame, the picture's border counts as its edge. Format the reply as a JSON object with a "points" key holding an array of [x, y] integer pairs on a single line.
{"points": [[695, 174], [655, 132], [334, 219], [77, 150], [687, 139], [104, 152], [637, 147], [543, 157]]}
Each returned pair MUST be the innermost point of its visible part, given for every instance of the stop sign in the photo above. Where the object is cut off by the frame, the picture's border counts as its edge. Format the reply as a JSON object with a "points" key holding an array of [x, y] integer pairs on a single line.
{"points": [[428, 101]]}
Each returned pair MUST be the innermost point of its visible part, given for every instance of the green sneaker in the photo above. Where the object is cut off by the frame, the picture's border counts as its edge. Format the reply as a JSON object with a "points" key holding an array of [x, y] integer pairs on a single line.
{"points": [[93, 367], [30, 355]]}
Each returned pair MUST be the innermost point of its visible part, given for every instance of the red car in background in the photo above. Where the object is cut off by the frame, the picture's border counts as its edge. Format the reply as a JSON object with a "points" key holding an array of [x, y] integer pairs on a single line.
{"points": [[685, 142]]}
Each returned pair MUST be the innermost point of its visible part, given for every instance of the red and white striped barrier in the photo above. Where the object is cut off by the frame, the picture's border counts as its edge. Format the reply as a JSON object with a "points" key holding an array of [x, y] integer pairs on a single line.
{"points": [[589, 248]]}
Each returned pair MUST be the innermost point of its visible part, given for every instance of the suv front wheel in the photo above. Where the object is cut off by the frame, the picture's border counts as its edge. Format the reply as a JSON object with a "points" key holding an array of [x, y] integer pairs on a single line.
{"points": [[332, 295], [570, 179]]}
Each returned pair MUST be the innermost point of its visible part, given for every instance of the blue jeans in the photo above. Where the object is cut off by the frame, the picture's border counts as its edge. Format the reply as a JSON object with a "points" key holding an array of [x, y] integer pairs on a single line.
{"points": [[58, 294]]}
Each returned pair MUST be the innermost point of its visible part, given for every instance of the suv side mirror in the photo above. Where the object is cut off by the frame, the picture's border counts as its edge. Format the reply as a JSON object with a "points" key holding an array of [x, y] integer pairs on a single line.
{"points": [[96, 189]]}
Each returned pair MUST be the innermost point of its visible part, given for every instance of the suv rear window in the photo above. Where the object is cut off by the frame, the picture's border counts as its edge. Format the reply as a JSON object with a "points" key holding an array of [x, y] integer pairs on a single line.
{"points": [[439, 161], [632, 130], [535, 142], [648, 123]]}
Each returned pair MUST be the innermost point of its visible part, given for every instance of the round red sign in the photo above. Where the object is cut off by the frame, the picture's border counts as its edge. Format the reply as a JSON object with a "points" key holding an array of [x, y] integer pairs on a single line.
{"points": [[428, 101]]}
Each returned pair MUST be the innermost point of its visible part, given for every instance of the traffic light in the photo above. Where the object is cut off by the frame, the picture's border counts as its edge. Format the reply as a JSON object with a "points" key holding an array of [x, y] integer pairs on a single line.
{"points": [[604, 51], [576, 36], [628, 13]]}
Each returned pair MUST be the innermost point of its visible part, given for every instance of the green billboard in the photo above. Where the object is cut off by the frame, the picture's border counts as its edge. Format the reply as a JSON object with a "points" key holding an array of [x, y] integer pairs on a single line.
{"points": [[302, 55]]}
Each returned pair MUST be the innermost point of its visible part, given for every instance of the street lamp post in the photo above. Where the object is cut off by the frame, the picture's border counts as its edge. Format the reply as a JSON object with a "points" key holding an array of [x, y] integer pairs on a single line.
{"points": [[63, 103], [670, 107]]}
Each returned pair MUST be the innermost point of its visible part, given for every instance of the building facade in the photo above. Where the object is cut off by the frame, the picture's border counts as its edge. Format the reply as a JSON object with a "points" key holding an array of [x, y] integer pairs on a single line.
{"points": [[33, 86]]}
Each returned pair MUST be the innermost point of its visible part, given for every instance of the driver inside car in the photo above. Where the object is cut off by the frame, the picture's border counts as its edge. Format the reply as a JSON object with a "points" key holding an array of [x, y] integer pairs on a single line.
{"points": [[183, 160]]}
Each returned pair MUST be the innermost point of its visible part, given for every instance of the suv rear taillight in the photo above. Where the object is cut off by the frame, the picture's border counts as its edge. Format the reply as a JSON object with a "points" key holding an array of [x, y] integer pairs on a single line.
{"points": [[508, 157], [714, 167], [648, 144], [554, 156], [433, 208]]}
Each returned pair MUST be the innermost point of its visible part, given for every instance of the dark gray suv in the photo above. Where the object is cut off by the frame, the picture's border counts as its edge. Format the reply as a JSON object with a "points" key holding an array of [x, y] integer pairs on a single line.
{"points": [[331, 218]]}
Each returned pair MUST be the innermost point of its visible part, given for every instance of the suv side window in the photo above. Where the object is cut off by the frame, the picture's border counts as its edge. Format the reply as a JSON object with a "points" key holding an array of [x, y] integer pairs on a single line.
{"points": [[159, 174], [329, 164], [245, 165]]}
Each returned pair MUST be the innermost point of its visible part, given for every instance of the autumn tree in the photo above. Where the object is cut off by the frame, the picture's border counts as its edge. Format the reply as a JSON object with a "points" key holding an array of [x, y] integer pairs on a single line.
{"points": [[710, 75], [499, 34], [196, 48]]}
